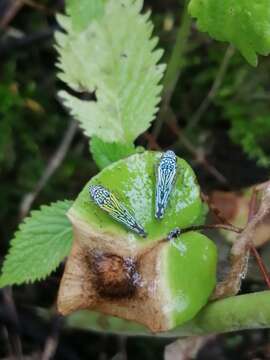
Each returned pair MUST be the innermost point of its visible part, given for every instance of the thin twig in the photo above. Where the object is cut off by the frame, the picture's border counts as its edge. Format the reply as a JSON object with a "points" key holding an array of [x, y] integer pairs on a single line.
{"points": [[241, 249], [215, 211], [12, 11], [38, 7], [174, 68], [198, 155], [253, 207], [186, 348], [262, 186], [52, 341], [213, 227], [12, 329], [5, 336], [214, 88], [16, 6], [176, 61], [261, 265], [253, 204], [252, 212], [52, 166], [122, 346], [152, 143]]}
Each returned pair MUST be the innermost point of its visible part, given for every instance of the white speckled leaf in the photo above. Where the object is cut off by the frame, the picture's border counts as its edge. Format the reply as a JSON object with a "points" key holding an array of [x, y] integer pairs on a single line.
{"points": [[114, 56], [133, 181]]}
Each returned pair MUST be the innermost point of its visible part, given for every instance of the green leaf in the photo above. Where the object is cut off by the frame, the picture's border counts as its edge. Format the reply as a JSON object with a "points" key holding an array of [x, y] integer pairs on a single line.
{"points": [[244, 23], [84, 11], [114, 57], [252, 133], [43, 240], [105, 154], [133, 181]]}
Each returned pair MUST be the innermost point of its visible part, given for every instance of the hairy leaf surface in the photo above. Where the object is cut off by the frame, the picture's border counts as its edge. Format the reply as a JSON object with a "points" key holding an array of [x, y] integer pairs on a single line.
{"points": [[43, 240], [244, 23], [115, 58]]}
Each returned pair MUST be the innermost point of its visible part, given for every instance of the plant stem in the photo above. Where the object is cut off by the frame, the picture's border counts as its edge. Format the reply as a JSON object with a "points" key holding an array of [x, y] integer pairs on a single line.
{"points": [[213, 227], [249, 311], [242, 312], [252, 213], [176, 61], [240, 250], [54, 163], [198, 155], [196, 117], [174, 68]]}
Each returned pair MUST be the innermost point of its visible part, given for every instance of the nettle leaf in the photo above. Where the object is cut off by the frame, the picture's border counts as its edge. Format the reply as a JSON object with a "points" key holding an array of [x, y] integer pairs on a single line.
{"points": [[115, 58], [84, 11], [105, 154], [244, 23], [43, 240]]}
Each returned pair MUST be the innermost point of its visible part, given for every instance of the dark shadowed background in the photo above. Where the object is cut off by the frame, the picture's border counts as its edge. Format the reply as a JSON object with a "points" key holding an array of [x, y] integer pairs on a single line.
{"points": [[223, 129]]}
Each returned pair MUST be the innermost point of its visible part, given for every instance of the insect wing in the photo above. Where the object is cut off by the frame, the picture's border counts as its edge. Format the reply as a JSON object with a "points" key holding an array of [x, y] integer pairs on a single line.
{"points": [[109, 203], [166, 176]]}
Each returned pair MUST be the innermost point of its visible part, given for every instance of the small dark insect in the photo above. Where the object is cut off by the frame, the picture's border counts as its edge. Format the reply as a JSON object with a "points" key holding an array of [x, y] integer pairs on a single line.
{"points": [[109, 203], [166, 176], [174, 233]]}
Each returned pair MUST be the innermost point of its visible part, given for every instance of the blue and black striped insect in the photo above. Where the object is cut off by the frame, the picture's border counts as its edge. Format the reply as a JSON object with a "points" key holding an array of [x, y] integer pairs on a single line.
{"points": [[108, 202], [166, 176]]}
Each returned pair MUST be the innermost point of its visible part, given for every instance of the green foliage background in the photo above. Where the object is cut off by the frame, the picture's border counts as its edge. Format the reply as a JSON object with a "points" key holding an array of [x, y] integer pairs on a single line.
{"points": [[234, 132]]}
